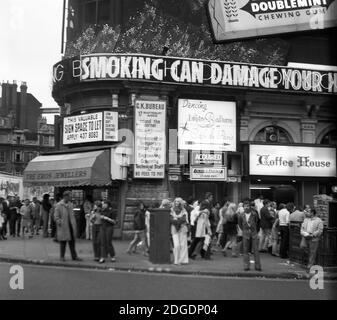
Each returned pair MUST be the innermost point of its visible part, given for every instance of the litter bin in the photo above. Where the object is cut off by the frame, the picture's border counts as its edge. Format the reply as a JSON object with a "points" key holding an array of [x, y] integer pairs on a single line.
{"points": [[160, 236]]}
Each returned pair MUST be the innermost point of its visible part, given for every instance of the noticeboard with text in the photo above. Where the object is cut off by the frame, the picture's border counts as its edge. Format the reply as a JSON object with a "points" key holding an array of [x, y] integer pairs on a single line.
{"points": [[150, 139], [206, 125], [90, 127], [238, 19]]}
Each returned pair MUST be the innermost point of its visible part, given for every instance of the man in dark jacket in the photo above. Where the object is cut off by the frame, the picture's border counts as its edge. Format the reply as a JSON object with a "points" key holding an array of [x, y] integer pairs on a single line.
{"points": [[249, 224], [266, 225]]}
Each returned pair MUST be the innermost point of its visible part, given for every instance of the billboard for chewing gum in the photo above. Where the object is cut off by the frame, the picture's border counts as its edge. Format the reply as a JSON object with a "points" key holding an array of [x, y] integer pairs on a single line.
{"points": [[238, 19]]}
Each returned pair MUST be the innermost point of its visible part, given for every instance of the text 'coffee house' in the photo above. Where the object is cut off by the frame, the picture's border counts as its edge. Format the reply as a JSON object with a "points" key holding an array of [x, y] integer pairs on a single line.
{"points": [[155, 127]]}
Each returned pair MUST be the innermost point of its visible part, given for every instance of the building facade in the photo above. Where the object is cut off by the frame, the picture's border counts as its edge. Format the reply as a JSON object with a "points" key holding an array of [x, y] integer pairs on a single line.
{"points": [[189, 126], [24, 133]]}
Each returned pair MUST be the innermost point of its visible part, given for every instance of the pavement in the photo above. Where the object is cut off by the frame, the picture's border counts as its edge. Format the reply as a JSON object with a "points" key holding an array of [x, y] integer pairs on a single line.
{"points": [[43, 251], [54, 283]]}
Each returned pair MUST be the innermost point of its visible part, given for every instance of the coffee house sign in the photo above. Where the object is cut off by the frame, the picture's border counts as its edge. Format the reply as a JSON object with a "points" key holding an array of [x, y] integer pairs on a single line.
{"points": [[265, 160], [183, 71]]}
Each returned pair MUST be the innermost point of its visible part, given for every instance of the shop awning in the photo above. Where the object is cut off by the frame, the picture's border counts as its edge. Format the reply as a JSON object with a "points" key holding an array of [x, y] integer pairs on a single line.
{"points": [[69, 170]]}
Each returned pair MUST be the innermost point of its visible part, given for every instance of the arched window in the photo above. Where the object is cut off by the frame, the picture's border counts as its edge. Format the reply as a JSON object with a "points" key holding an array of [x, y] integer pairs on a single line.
{"points": [[273, 134], [330, 138]]}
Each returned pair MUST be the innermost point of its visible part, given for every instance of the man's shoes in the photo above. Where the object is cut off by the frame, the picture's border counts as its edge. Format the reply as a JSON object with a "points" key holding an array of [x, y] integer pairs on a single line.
{"points": [[258, 269], [101, 260], [113, 259], [77, 259]]}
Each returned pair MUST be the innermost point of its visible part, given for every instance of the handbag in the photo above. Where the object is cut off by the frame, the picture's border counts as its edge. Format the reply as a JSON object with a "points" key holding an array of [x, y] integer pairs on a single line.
{"points": [[303, 244]]}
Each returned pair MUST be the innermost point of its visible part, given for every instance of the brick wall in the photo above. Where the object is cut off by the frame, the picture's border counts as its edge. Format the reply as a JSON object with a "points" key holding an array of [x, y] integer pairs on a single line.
{"points": [[150, 193]]}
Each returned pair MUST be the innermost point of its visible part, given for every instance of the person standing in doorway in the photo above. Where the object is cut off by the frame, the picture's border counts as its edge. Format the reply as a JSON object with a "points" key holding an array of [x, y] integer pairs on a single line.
{"points": [[259, 204], [249, 224], [66, 226], [284, 216], [45, 214], [266, 225], [108, 222], [311, 231]]}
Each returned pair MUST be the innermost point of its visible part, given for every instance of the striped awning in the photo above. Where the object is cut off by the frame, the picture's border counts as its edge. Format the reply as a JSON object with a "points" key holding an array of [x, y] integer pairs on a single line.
{"points": [[69, 170]]}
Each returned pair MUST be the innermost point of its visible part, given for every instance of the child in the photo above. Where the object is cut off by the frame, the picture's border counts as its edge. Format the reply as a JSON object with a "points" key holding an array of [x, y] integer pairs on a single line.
{"points": [[26, 214]]}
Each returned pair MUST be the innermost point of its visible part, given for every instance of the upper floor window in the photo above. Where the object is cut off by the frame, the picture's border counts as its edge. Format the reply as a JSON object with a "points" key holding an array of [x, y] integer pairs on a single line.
{"points": [[273, 134], [2, 156], [96, 11], [330, 138]]}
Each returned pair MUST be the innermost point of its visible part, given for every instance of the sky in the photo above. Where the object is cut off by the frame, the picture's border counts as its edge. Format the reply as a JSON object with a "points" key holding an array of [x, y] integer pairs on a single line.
{"points": [[30, 42]]}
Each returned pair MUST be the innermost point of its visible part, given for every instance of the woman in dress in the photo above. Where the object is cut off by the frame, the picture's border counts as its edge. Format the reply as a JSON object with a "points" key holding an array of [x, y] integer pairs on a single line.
{"points": [[179, 231]]}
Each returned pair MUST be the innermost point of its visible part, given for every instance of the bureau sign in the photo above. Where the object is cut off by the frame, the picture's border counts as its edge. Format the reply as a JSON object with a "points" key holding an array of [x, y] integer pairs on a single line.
{"points": [[292, 161]]}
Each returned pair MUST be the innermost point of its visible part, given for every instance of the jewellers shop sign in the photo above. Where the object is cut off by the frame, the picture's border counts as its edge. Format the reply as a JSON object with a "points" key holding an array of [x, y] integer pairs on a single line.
{"points": [[183, 71], [292, 161], [237, 19], [91, 127]]}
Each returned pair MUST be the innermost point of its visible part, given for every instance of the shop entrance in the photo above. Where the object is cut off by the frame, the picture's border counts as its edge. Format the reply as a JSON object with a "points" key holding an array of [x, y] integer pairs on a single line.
{"points": [[278, 192], [198, 189]]}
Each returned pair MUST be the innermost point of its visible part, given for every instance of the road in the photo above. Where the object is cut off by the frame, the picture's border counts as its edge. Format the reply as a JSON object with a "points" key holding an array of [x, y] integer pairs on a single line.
{"points": [[42, 282]]}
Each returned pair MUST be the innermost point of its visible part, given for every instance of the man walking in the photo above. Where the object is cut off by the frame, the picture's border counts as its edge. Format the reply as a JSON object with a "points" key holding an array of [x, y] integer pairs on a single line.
{"points": [[66, 226], [249, 224]]}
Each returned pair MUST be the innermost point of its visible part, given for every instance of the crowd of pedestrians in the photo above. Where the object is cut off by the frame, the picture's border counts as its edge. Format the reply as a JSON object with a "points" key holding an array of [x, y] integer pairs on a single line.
{"points": [[199, 228]]}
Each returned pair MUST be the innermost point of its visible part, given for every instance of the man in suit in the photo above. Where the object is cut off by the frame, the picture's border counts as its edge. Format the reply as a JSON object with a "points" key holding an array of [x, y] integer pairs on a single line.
{"points": [[249, 224]]}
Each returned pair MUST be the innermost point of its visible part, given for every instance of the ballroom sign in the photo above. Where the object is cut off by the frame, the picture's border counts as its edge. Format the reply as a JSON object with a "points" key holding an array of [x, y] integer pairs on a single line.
{"points": [[237, 19], [150, 139], [183, 71], [91, 127], [292, 161], [206, 125], [208, 173]]}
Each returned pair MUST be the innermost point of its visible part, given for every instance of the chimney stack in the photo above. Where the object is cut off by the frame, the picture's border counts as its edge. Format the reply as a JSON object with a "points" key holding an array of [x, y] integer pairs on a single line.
{"points": [[14, 100]]}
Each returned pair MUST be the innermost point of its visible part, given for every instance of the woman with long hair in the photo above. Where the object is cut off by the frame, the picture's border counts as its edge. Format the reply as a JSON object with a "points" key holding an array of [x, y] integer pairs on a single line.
{"points": [[230, 229], [179, 231], [219, 230]]}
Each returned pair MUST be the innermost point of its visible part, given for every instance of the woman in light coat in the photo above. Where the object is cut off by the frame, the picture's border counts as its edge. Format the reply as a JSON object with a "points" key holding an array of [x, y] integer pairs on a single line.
{"points": [[179, 231], [203, 228]]}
